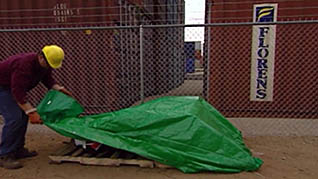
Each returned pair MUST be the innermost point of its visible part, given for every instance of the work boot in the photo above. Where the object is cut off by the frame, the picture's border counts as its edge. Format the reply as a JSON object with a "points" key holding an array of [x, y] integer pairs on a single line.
{"points": [[9, 162], [25, 153]]}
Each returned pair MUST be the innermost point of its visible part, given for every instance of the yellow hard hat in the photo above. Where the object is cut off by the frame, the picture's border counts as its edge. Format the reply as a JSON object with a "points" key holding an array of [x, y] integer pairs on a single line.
{"points": [[54, 55]]}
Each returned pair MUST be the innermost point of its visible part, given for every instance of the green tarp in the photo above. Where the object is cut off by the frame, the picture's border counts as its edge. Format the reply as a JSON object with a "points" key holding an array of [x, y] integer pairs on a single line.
{"points": [[184, 132]]}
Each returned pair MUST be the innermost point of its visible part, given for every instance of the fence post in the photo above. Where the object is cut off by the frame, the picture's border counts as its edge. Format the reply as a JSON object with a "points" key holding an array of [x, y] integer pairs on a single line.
{"points": [[142, 95], [208, 47]]}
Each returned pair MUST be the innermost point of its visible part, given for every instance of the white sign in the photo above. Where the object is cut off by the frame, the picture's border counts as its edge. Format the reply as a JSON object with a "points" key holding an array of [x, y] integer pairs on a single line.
{"points": [[263, 53]]}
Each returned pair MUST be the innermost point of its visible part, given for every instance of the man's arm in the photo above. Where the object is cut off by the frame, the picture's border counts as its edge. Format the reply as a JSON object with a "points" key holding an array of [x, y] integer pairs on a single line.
{"points": [[29, 110], [19, 82], [50, 82], [27, 107]]}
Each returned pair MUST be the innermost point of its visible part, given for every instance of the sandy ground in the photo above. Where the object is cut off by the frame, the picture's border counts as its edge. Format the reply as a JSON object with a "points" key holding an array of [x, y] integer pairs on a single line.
{"points": [[284, 157]]}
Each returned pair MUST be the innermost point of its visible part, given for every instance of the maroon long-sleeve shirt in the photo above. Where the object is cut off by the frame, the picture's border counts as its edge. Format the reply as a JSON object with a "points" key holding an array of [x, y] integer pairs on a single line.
{"points": [[21, 73]]}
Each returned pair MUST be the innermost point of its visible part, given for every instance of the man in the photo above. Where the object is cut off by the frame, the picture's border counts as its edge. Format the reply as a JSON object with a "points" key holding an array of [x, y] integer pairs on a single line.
{"points": [[18, 75]]}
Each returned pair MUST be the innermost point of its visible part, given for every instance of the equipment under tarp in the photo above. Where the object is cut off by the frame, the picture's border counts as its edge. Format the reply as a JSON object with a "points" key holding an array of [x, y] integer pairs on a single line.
{"points": [[183, 132]]}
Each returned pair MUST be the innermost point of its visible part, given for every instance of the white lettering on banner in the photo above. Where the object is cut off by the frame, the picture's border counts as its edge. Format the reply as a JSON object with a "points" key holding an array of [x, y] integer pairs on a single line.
{"points": [[263, 53]]}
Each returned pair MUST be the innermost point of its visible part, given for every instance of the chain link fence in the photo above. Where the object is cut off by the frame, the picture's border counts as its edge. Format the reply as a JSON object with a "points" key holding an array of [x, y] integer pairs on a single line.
{"points": [[294, 73], [103, 67], [111, 68]]}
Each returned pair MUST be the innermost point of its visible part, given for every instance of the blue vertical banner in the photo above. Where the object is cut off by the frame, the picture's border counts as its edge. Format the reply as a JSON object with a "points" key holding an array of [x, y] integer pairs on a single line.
{"points": [[263, 53]]}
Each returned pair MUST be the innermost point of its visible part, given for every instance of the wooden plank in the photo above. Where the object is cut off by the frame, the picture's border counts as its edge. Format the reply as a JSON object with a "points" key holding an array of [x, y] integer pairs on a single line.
{"points": [[77, 152], [115, 155], [141, 163], [160, 165], [67, 149], [102, 161], [103, 154], [108, 156], [87, 154]]}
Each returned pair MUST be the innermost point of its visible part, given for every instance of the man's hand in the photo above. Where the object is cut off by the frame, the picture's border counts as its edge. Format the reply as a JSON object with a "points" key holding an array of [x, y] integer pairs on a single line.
{"points": [[34, 118], [63, 90], [67, 92]]}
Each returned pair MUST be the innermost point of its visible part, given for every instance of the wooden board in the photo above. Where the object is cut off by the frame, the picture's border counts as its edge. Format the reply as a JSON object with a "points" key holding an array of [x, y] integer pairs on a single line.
{"points": [[106, 156]]}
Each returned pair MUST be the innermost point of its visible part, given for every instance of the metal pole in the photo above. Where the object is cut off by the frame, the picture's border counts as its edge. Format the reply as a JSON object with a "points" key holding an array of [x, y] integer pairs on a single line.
{"points": [[142, 95], [208, 54]]}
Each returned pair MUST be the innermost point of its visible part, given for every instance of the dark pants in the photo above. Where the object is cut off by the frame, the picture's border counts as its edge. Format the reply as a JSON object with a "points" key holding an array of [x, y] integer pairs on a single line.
{"points": [[15, 123]]}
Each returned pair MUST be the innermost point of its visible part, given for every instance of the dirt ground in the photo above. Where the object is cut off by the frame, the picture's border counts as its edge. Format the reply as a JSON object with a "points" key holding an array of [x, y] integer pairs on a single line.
{"points": [[284, 157]]}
